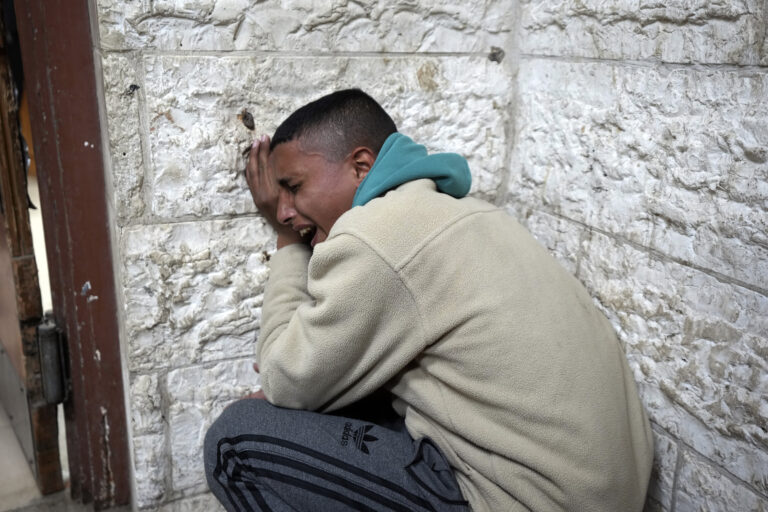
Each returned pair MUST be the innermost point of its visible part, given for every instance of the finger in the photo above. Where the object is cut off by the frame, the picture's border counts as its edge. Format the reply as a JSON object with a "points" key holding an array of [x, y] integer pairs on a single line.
{"points": [[256, 367], [263, 157], [252, 166]]}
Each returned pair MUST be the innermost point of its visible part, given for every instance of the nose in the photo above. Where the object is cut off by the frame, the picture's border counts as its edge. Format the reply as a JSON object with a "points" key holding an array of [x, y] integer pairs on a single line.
{"points": [[285, 209]]}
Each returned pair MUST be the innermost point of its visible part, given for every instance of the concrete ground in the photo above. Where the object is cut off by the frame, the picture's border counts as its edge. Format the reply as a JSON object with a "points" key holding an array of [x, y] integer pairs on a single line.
{"points": [[18, 491]]}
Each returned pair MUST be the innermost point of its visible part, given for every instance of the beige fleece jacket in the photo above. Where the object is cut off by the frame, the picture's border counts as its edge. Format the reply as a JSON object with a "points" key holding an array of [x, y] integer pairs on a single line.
{"points": [[490, 347]]}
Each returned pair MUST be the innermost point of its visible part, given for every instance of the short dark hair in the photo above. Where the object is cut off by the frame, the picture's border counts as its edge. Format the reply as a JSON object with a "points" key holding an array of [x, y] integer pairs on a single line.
{"points": [[337, 123]]}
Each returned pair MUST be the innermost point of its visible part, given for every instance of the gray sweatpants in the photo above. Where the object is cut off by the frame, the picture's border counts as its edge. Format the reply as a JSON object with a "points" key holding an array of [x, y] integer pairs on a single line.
{"points": [[262, 457]]}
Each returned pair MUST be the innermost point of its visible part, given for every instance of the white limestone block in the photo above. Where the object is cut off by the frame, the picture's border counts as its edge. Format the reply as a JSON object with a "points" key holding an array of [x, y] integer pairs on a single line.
{"points": [[298, 25], [674, 160], [193, 291], [122, 94], [197, 395], [146, 405], [665, 450], [150, 467], [723, 32], [703, 487], [697, 347]]}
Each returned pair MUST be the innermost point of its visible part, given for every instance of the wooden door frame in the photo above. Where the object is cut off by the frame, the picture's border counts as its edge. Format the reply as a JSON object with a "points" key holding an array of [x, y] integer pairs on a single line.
{"points": [[62, 83], [33, 419]]}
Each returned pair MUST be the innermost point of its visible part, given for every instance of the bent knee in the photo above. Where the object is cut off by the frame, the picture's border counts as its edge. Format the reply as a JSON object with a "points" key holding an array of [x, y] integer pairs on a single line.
{"points": [[247, 416], [241, 417]]}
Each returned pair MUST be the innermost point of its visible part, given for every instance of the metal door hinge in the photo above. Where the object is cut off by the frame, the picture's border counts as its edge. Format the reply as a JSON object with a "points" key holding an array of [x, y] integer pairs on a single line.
{"points": [[53, 367]]}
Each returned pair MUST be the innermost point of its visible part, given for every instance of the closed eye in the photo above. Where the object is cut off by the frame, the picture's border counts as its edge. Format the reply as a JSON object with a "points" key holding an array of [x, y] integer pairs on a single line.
{"points": [[287, 185]]}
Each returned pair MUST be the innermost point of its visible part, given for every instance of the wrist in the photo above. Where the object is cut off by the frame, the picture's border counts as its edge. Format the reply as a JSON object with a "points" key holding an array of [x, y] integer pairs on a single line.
{"points": [[288, 238]]}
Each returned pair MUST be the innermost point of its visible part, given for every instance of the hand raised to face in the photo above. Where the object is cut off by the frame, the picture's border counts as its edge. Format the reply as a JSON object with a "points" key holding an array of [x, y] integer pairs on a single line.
{"points": [[265, 190]]}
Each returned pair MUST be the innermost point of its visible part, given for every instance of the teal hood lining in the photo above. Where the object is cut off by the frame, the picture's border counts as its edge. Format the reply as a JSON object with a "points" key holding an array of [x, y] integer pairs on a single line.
{"points": [[401, 160]]}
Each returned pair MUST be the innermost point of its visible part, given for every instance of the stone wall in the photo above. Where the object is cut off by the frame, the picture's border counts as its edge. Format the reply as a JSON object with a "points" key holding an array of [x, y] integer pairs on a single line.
{"points": [[630, 137], [192, 249], [641, 159]]}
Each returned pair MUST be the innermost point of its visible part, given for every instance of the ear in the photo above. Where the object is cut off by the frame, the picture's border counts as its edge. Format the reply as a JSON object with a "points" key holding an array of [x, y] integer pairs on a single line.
{"points": [[362, 159]]}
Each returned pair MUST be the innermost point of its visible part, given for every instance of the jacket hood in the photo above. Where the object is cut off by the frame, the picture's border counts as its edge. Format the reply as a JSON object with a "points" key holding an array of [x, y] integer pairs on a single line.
{"points": [[401, 160]]}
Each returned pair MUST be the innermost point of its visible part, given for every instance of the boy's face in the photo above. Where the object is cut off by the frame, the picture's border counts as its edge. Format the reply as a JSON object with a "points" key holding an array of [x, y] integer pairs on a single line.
{"points": [[314, 192]]}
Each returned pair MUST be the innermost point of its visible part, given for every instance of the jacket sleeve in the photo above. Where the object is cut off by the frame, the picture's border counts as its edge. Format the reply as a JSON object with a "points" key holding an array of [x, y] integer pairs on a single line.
{"points": [[339, 333]]}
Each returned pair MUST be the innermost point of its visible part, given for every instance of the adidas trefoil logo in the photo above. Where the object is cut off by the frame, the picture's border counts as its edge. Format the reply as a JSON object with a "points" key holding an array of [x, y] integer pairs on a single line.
{"points": [[360, 437]]}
